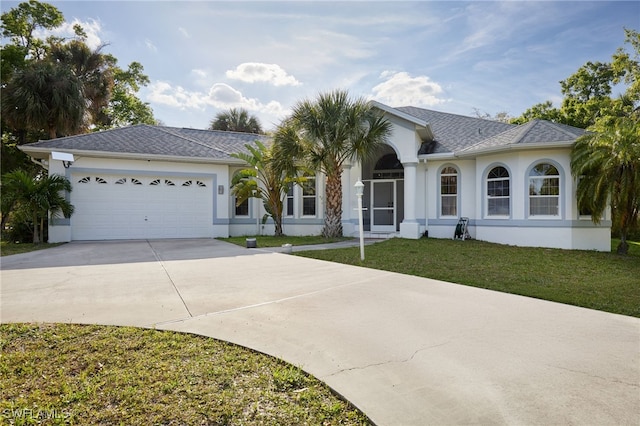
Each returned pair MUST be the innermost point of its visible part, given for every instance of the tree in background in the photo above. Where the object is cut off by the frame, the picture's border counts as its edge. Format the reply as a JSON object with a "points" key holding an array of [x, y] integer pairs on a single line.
{"points": [[44, 96], [48, 83], [588, 92], [325, 134], [236, 120]]}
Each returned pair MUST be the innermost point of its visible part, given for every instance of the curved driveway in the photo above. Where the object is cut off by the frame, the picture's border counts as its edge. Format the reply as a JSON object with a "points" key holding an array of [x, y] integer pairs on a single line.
{"points": [[405, 350]]}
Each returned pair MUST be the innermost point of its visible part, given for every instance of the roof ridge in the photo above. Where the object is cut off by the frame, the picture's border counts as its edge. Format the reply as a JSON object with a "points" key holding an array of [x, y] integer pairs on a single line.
{"points": [[526, 128], [197, 142], [456, 114], [562, 127], [223, 131]]}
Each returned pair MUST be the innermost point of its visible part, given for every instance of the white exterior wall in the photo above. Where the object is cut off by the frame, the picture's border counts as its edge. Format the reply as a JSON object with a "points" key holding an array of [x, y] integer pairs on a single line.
{"points": [[566, 231]]}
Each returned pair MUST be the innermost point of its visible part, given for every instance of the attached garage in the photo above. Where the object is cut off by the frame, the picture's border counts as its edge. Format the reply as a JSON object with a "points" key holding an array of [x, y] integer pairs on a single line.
{"points": [[144, 182], [111, 207]]}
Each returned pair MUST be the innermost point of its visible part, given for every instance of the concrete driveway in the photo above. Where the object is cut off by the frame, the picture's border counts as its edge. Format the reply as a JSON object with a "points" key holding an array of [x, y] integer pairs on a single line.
{"points": [[405, 350]]}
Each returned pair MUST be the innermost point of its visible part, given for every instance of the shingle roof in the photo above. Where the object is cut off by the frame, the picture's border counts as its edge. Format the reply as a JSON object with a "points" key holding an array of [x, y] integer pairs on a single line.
{"points": [[533, 132], [156, 140], [454, 132]]}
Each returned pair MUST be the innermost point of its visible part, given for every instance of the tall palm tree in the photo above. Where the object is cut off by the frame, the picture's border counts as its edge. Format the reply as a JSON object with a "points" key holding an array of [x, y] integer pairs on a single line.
{"points": [[325, 134], [607, 166], [236, 120], [36, 197], [263, 179], [44, 95], [94, 70]]}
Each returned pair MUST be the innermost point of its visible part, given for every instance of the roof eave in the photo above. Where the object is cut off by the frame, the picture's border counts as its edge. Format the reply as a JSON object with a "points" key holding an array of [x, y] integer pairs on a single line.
{"points": [[437, 156], [43, 153], [424, 129], [514, 147]]}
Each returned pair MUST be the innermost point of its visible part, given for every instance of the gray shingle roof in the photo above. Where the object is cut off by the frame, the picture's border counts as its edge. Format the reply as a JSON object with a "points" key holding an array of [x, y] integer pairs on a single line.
{"points": [[458, 134], [533, 132], [156, 140], [454, 132]]}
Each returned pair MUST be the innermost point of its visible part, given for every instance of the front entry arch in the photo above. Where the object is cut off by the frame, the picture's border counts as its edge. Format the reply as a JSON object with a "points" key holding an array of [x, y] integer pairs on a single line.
{"points": [[384, 192]]}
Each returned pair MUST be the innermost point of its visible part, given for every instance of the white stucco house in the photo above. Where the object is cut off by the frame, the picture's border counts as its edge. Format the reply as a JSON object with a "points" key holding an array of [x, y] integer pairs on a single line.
{"points": [[513, 182]]}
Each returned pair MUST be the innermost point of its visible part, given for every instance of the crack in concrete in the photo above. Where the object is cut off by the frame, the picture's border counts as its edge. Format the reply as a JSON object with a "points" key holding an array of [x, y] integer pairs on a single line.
{"points": [[268, 302], [159, 259], [377, 364], [584, 373]]}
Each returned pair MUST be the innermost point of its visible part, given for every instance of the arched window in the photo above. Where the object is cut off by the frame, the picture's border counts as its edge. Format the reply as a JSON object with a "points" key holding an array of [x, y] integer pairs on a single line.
{"points": [[449, 191], [498, 192], [544, 190]]}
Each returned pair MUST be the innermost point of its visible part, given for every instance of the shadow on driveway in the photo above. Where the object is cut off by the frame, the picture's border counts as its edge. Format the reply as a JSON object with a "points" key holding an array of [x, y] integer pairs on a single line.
{"points": [[119, 252]]}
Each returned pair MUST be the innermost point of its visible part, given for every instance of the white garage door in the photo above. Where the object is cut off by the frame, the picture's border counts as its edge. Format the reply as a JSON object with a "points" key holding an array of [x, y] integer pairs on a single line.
{"points": [[110, 207]]}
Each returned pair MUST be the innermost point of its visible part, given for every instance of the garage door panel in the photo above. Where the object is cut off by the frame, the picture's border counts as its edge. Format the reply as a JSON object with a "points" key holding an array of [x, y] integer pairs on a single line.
{"points": [[131, 207]]}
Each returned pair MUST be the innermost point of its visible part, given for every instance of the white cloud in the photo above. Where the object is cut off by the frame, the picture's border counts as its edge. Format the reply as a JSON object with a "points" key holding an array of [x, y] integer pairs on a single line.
{"points": [[400, 89], [150, 45], [220, 96], [91, 27], [252, 72], [184, 32]]}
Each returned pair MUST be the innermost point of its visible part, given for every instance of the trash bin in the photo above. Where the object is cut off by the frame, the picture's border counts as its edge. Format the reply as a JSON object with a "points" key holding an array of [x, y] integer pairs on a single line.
{"points": [[251, 243]]}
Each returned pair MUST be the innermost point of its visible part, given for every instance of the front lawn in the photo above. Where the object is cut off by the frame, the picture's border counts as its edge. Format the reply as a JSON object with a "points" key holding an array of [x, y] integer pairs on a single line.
{"points": [[7, 248], [89, 375], [603, 281]]}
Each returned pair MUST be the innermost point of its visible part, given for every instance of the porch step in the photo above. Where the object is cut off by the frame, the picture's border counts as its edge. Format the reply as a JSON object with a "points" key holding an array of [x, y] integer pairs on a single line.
{"points": [[379, 235]]}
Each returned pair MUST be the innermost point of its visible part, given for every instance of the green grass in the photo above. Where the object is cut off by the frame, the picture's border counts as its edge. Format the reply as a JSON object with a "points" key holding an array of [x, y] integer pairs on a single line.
{"points": [[74, 374], [7, 248], [603, 281], [271, 241]]}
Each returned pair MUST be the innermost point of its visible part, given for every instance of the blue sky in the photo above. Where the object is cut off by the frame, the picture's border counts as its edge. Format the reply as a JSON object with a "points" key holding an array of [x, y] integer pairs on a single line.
{"points": [[204, 57]]}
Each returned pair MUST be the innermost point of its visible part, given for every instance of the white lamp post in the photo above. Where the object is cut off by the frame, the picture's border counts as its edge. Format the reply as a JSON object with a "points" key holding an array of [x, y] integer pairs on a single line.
{"points": [[359, 192]]}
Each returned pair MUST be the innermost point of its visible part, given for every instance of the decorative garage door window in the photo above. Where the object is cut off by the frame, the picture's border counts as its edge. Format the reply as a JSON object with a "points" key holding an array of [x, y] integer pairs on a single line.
{"points": [[134, 181], [198, 183]]}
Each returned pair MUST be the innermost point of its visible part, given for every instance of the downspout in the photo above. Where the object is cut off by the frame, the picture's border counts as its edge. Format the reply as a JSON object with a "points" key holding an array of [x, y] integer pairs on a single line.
{"points": [[42, 163]]}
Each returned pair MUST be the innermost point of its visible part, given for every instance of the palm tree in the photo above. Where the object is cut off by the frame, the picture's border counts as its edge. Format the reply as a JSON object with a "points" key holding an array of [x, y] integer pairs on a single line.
{"points": [[35, 197], [325, 134], [44, 95], [263, 180], [607, 166], [236, 120], [94, 70]]}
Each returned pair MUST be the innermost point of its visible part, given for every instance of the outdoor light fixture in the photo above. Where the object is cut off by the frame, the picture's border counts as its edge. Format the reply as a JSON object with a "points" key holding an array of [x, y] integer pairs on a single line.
{"points": [[359, 192], [65, 157]]}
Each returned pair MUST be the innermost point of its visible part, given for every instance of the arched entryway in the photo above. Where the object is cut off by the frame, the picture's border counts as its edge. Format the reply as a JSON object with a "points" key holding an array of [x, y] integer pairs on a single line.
{"points": [[383, 198]]}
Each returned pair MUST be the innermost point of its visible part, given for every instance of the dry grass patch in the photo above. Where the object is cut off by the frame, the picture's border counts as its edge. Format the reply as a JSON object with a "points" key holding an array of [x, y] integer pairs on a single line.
{"points": [[74, 374]]}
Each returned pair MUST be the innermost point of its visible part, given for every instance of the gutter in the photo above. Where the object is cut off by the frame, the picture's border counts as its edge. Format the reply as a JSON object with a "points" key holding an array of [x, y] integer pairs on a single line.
{"points": [[512, 147], [125, 155]]}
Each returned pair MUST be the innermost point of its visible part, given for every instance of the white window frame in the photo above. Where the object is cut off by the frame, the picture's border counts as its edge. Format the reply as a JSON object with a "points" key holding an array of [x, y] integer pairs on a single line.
{"points": [[290, 197], [535, 178], [456, 196], [304, 197], [489, 197]]}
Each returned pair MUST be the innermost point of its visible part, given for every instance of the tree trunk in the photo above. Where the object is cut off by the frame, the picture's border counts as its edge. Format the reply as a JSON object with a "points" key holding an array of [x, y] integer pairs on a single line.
{"points": [[36, 231], [277, 220], [333, 210], [623, 247]]}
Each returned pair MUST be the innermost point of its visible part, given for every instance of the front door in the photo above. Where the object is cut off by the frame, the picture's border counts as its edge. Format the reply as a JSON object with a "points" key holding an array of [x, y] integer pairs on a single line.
{"points": [[383, 206]]}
